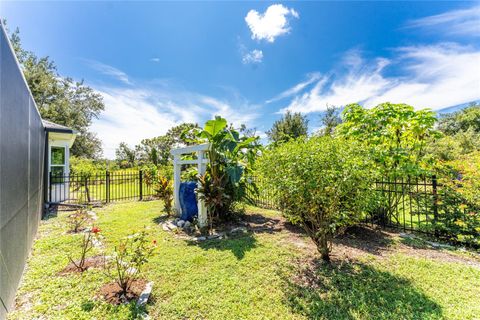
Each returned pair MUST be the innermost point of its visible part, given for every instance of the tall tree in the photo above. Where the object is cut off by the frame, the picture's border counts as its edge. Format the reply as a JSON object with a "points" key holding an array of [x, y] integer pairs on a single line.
{"points": [[330, 120], [61, 99], [290, 126], [125, 156]]}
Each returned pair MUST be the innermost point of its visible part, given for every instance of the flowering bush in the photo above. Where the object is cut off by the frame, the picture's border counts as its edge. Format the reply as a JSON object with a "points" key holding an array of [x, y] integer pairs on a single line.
{"points": [[86, 246], [129, 258]]}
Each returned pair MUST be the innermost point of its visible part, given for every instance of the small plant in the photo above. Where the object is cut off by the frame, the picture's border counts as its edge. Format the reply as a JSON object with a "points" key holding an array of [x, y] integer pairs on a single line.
{"points": [[86, 246], [164, 190], [129, 258], [78, 220]]}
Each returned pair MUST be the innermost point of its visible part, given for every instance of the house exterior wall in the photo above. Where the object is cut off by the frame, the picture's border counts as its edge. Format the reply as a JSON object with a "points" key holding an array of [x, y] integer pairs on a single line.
{"points": [[22, 145]]}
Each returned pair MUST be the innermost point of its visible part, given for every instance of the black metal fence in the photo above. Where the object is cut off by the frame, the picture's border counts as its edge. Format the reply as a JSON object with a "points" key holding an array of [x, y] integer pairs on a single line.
{"points": [[410, 204], [102, 187]]}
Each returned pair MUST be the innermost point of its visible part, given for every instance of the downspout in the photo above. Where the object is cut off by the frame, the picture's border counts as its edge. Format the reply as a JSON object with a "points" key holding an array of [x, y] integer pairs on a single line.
{"points": [[45, 176]]}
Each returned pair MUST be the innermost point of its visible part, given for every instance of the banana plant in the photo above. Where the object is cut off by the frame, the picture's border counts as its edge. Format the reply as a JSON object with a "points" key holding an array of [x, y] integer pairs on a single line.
{"points": [[230, 159]]}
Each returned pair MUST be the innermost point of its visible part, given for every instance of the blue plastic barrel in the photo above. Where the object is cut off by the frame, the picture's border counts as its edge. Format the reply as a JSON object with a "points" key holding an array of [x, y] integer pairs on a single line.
{"points": [[188, 200]]}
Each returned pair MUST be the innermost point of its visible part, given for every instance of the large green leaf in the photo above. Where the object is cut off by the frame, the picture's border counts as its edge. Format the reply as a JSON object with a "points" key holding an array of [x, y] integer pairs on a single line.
{"points": [[213, 127]]}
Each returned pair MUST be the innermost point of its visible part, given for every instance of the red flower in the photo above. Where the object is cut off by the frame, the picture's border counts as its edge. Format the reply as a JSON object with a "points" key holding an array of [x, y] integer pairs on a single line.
{"points": [[154, 242], [96, 230]]}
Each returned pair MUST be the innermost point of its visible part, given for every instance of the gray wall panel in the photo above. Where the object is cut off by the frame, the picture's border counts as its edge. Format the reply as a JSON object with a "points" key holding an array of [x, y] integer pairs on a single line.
{"points": [[22, 138]]}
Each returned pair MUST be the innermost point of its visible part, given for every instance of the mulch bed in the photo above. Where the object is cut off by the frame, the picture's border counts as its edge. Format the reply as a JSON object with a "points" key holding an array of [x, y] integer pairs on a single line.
{"points": [[112, 293], [90, 262]]}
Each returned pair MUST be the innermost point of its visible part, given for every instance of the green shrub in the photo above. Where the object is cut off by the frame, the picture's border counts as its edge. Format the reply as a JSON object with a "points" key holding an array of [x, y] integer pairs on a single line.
{"points": [[323, 185], [459, 200]]}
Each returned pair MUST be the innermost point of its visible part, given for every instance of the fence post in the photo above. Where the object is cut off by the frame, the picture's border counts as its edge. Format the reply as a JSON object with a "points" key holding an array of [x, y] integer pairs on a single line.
{"points": [[107, 186], [435, 203], [140, 174]]}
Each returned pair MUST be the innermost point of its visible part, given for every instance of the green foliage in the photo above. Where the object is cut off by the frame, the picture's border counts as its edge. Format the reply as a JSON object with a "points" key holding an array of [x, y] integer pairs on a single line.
{"points": [[459, 200], [463, 120], [395, 134], [322, 183], [330, 120], [231, 157], [450, 147], [61, 99], [125, 156], [290, 126]]}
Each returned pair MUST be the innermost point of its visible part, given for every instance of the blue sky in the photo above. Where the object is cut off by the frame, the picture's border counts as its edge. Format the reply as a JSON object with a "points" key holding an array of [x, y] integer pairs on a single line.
{"points": [[158, 64]]}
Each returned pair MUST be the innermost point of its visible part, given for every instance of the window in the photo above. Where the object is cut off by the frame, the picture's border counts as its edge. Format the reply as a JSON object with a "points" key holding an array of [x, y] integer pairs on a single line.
{"points": [[57, 164]]}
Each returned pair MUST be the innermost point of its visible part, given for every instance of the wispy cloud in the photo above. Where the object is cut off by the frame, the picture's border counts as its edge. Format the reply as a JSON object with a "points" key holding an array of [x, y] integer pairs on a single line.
{"points": [[270, 24], [464, 21], [150, 110], [155, 59], [435, 76], [254, 56], [311, 78], [109, 71]]}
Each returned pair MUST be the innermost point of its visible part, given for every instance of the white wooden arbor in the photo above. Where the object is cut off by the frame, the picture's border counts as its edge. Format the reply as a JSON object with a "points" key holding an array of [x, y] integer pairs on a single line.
{"points": [[201, 163]]}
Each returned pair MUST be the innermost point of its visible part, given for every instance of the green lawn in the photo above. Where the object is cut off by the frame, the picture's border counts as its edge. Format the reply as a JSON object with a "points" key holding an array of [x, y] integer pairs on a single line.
{"points": [[255, 276]]}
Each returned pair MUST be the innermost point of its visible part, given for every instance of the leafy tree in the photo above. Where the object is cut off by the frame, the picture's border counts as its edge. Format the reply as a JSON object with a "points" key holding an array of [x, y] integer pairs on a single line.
{"points": [[290, 126], [322, 185], [395, 134], [330, 120], [463, 120], [124, 155], [61, 99], [450, 147], [157, 150]]}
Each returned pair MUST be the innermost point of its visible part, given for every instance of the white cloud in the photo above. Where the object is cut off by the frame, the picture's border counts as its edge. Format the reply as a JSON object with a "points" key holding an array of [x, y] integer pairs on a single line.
{"points": [[311, 78], [435, 76], [464, 21], [254, 56], [155, 59], [109, 71], [271, 24], [144, 112]]}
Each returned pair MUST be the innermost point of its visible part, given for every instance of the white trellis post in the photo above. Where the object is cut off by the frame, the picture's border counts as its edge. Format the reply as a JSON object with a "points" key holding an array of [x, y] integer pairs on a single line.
{"points": [[201, 163]]}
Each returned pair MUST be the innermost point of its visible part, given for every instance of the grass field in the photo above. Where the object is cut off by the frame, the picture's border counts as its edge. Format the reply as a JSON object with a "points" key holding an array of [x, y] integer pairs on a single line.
{"points": [[260, 275]]}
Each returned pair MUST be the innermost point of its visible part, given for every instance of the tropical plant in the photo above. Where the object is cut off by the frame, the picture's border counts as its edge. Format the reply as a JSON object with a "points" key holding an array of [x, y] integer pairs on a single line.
{"points": [[129, 258], [164, 191], [395, 134], [86, 246], [230, 160], [323, 185]]}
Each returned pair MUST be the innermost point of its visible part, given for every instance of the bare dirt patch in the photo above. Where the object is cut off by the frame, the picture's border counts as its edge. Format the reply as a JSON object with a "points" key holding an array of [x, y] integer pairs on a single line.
{"points": [[112, 293], [90, 262]]}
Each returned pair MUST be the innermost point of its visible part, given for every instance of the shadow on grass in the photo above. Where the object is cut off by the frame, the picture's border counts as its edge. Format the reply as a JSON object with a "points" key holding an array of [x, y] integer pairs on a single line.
{"points": [[373, 241], [238, 245], [355, 291], [160, 219]]}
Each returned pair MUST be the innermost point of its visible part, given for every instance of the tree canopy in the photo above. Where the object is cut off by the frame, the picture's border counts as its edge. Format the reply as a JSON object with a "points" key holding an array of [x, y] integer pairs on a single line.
{"points": [[463, 120], [290, 126], [61, 99]]}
